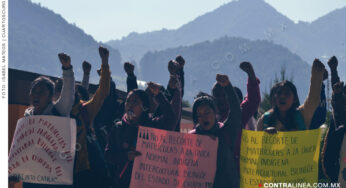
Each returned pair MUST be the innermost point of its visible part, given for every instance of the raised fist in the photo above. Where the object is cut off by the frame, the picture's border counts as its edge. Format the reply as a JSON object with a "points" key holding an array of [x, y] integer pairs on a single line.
{"points": [[154, 88], [129, 67], [338, 87], [65, 60], [247, 67], [86, 67], [318, 65], [181, 61], [333, 63], [173, 67], [222, 80], [104, 54]]}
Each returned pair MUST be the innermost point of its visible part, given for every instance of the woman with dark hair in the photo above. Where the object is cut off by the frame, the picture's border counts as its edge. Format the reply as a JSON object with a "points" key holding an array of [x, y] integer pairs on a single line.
{"points": [[287, 114], [204, 116], [41, 99], [89, 170], [42, 92], [120, 149]]}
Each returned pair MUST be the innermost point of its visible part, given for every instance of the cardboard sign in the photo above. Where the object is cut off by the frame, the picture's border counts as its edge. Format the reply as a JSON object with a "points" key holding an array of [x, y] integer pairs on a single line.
{"points": [[172, 159], [43, 150], [285, 157]]}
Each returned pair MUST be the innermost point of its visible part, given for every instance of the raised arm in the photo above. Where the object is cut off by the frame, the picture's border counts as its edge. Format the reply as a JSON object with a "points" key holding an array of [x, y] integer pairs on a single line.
{"points": [[94, 105], [338, 104], [86, 74], [252, 99], [320, 114], [333, 65], [66, 99], [313, 98], [233, 121], [181, 62], [175, 87], [131, 80]]}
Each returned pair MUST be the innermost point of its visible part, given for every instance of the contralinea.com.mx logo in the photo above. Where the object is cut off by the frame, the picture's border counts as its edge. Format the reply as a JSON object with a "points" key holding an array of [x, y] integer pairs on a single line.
{"points": [[299, 185]]}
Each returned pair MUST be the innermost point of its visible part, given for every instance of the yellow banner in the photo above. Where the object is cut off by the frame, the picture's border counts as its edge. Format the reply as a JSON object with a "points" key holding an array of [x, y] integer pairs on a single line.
{"points": [[285, 157]]}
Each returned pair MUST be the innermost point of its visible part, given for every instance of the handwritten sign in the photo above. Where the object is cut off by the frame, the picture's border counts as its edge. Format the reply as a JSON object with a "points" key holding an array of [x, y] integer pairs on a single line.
{"points": [[285, 157], [172, 159], [43, 150]]}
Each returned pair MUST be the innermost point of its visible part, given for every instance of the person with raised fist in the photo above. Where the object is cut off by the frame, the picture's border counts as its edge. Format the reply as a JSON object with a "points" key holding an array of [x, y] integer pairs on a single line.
{"points": [[334, 149], [41, 99], [42, 92], [120, 149], [204, 116], [90, 167], [287, 114]]}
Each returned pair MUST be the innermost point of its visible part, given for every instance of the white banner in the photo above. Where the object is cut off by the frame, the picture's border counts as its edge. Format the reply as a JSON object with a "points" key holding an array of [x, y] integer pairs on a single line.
{"points": [[43, 150], [172, 159]]}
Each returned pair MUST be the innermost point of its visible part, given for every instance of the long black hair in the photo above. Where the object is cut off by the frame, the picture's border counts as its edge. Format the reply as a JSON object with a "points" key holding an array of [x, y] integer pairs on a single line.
{"points": [[289, 122]]}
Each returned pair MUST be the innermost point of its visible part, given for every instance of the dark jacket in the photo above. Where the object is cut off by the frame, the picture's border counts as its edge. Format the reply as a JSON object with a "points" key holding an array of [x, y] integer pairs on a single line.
{"points": [[227, 174], [123, 138]]}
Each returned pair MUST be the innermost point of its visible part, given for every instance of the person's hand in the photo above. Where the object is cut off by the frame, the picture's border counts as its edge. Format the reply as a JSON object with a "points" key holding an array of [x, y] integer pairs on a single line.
{"points": [[154, 88], [86, 67], [129, 67], [318, 66], [173, 67], [181, 61], [333, 63], [325, 74], [247, 67], [173, 82], [131, 155], [271, 130], [65, 60], [222, 80], [338, 87], [104, 54]]}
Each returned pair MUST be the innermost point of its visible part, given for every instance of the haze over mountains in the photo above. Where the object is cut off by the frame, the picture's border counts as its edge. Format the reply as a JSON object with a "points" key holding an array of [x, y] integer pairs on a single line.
{"points": [[250, 19], [255, 32], [204, 60], [37, 35]]}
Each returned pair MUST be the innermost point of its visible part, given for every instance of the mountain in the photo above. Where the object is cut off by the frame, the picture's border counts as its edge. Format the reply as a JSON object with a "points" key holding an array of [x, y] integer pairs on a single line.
{"points": [[204, 60], [37, 35], [238, 18], [250, 19]]}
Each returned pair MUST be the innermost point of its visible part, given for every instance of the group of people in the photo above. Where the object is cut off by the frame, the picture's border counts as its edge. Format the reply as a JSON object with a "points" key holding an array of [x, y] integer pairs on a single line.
{"points": [[107, 129]]}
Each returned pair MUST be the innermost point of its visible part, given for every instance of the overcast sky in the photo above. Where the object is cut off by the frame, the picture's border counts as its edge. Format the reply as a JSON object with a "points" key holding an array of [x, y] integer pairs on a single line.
{"points": [[114, 19]]}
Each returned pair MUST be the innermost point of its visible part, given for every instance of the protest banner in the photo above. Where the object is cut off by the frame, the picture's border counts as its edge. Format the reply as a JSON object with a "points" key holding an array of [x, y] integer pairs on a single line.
{"points": [[43, 150], [172, 159], [285, 157]]}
